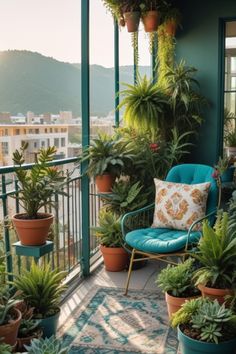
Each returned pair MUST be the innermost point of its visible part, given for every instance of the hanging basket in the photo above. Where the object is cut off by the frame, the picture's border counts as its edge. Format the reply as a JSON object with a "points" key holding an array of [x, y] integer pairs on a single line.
{"points": [[132, 20], [151, 20]]}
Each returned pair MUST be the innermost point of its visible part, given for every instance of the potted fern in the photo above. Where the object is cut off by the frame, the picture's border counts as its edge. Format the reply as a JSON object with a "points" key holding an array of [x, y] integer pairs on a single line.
{"points": [[41, 288], [145, 104], [216, 277], [37, 187], [177, 284], [205, 326], [110, 238]]}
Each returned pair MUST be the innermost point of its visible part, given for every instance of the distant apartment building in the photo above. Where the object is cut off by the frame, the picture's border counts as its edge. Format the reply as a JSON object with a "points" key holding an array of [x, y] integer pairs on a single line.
{"points": [[37, 136], [5, 118], [65, 117]]}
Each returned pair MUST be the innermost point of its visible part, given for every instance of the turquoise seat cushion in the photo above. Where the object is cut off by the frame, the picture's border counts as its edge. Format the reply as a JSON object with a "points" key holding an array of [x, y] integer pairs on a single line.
{"points": [[159, 240]]}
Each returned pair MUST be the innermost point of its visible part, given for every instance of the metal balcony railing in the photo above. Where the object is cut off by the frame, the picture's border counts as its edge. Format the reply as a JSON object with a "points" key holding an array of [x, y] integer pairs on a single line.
{"points": [[66, 232]]}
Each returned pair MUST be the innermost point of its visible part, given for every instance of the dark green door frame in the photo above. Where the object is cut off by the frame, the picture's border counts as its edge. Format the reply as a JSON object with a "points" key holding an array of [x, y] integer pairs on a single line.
{"points": [[221, 85]]}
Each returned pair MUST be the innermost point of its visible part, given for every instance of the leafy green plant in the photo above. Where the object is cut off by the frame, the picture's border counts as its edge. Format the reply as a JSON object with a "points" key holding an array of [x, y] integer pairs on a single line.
{"points": [[106, 154], [118, 7], [125, 197], [144, 106], [37, 185], [185, 100], [217, 251], [7, 302], [109, 229], [171, 14], [50, 345], [41, 288], [177, 280], [5, 348], [205, 320]]}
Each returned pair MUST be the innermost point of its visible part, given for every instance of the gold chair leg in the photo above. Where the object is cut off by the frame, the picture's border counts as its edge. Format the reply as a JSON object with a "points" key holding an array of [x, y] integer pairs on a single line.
{"points": [[129, 272]]}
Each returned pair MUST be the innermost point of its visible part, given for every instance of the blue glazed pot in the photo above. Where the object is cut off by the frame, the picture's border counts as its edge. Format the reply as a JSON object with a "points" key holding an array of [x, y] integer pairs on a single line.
{"points": [[49, 325], [228, 175], [192, 346]]}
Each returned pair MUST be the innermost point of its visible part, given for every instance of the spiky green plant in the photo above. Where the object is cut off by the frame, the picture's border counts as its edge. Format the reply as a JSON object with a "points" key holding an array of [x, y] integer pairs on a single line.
{"points": [[106, 154], [40, 183], [109, 229], [125, 197], [144, 105], [177, 280], [217, 251], [41, 288], [50, 345]]}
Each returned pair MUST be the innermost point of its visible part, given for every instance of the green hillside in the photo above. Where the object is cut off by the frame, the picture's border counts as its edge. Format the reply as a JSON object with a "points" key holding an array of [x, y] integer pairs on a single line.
{"points": [[32, 82]]}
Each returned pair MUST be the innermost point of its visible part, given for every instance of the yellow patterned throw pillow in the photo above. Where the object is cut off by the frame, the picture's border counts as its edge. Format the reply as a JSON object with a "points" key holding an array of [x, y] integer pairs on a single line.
{"points": [[178, 205]]}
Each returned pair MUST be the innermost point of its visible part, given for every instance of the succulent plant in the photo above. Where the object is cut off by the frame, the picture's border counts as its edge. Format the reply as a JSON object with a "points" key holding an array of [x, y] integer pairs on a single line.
{"points": [[50, 345], [5, 348]]}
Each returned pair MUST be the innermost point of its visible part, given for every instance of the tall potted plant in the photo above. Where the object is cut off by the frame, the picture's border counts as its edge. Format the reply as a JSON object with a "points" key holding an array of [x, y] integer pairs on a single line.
{"points": [[216, 277], [37, 187], [41, 288], [106, 158], [231, 144], [177, 284], [110, 238], [205, 327]]}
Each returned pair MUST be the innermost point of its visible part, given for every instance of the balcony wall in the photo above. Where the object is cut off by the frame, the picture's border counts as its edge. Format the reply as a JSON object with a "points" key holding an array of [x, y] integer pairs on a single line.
{"points": [[199, 44]]}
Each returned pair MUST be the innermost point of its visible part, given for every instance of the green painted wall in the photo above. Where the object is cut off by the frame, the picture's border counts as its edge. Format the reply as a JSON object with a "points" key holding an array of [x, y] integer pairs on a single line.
{"points": [[198, 44]]}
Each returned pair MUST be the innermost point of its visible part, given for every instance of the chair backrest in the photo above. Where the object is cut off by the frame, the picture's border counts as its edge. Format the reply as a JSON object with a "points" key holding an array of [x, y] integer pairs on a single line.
{"points": [[193, 174]]}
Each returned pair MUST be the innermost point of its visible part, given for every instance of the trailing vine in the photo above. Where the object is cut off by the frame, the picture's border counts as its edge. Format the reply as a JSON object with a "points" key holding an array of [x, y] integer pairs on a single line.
{"points": [[165, 55], [134, 40]]}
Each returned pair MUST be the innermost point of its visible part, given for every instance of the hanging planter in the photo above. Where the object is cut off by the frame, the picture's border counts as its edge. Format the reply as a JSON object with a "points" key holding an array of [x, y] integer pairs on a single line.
{"points": [[151, 20], [171, 21], [132, 20]]}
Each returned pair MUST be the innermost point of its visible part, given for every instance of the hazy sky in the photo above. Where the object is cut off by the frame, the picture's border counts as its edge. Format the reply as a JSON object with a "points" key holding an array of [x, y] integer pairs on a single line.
{"points": [[52, 28]]}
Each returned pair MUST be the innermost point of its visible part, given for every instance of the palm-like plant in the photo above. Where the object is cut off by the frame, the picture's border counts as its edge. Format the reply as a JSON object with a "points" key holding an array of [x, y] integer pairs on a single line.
{"points": [[37, 185], [125, 197], [106, 155], [41, 288], [217, 252], [144, 105], [185, 100], [109, 229]]}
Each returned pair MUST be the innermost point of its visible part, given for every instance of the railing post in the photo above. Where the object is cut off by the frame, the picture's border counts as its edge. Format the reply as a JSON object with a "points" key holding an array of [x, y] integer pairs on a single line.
{"points": [[117, 78], [6, 229], [85, 260]]}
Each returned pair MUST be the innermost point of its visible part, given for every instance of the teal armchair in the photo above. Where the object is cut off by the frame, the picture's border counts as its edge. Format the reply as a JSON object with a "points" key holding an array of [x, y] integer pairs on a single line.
{"points": [[145, 242]]}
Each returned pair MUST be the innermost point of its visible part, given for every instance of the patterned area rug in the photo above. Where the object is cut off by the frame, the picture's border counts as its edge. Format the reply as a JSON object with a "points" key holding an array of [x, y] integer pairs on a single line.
{"points": [[109, 322]]}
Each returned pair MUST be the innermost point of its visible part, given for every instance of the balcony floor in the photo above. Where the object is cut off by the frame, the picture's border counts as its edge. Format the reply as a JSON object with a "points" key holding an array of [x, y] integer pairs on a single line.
{"points": [[141, 279]]}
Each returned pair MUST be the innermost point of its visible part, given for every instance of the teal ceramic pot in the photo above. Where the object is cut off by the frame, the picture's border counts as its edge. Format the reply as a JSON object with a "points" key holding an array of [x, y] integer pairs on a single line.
{"points": [[49, 325], [228, 175], [192, 346]]}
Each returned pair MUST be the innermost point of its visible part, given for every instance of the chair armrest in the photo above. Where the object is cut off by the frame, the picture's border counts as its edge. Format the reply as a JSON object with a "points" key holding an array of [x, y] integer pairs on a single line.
{"points": [[197, 222], [137, 219]]}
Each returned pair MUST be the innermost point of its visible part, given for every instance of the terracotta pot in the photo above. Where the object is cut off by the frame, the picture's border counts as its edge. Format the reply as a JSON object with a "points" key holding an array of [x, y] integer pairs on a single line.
{"points": [[212, 293], [104, 183], [21, 342], [8, 332], [174, 303], [32, 232], [132, 20], [151, 21], [171, 28], [115, 258]]}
